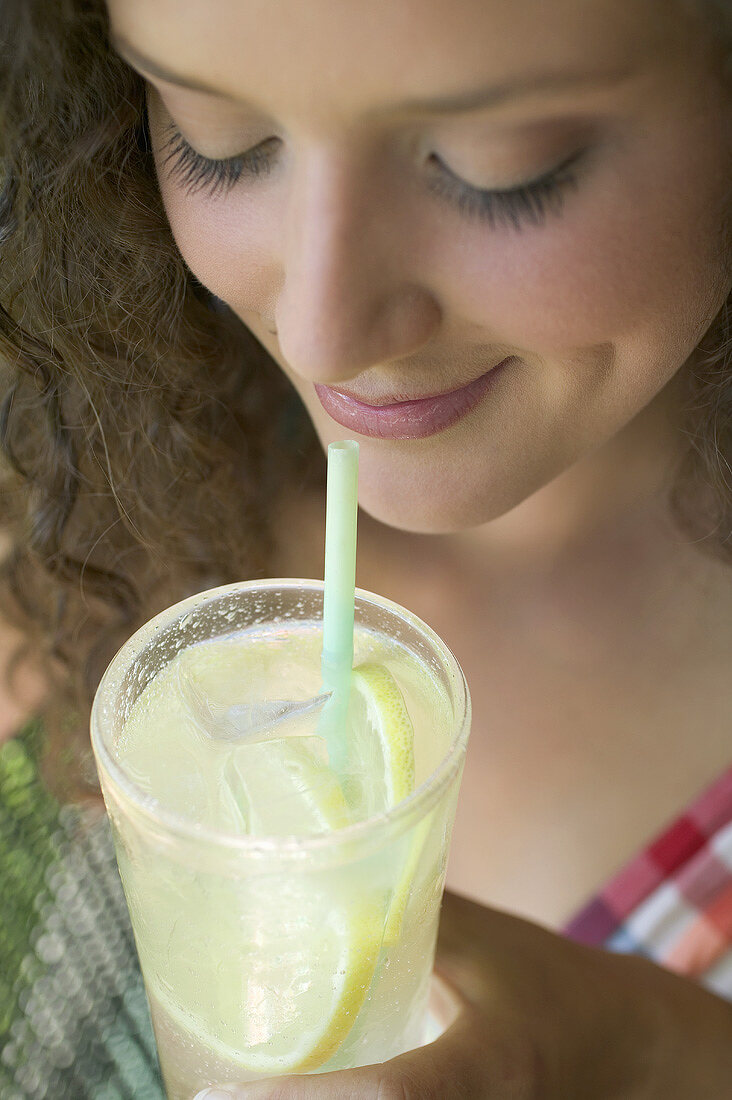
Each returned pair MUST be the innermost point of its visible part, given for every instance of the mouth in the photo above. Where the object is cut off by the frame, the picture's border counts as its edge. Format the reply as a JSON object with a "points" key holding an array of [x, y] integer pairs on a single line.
{"points": [[416, 418]]}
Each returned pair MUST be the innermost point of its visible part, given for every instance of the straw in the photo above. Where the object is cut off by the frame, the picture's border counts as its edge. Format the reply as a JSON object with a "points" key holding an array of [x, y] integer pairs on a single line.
{"points": [[339, 595]]}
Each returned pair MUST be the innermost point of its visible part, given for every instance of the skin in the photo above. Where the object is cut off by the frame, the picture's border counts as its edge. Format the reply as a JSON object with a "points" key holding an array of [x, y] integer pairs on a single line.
{"points": [[374, 284], [21, 682], [20, 701], [353, 273]]}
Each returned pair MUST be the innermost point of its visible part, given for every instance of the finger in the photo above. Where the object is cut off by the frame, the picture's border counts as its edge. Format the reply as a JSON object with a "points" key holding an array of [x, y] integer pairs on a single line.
{"points": [[445, 1002], [475, 1057]]}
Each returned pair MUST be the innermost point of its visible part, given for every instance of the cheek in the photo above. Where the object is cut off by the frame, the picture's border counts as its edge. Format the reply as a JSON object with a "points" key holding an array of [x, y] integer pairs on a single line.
{"points": [[631, 262], [227, 244]]}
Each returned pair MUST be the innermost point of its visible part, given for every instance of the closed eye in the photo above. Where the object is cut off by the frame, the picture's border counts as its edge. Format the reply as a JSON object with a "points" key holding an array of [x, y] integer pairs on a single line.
{"points": [[199, 173], [530, 202]]}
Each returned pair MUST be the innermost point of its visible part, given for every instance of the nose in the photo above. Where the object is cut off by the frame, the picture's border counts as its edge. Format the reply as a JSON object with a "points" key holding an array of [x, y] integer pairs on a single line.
{"points": [[348, 299]]}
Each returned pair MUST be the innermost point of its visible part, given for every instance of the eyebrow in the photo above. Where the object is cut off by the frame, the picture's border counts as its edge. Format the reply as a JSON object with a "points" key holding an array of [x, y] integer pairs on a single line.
{"points": [[481, 98]]}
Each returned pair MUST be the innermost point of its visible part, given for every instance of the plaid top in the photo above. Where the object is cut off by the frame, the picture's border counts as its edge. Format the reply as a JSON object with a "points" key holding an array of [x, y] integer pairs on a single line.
{"points": [[673, 902]]}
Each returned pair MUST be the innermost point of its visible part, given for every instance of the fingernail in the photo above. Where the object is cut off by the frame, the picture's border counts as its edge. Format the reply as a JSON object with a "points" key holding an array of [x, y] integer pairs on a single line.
{"points": [[215, 1094]]}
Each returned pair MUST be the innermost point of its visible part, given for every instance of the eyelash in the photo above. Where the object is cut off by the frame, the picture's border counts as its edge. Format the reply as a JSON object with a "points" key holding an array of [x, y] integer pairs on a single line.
{"points": [[530, 202], [197, 173]]}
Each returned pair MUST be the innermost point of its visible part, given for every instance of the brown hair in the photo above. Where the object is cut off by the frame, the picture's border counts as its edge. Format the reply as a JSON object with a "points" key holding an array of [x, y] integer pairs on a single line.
{"points": [[139, 419]]}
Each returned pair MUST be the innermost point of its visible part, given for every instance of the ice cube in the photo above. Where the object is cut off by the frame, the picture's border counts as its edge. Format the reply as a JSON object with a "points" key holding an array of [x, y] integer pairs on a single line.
{"points": [[284, 783], [248, 722]]}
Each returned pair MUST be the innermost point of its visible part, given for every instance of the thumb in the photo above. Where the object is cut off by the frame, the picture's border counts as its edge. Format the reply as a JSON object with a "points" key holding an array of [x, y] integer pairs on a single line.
{"points": [[475, 1056]]}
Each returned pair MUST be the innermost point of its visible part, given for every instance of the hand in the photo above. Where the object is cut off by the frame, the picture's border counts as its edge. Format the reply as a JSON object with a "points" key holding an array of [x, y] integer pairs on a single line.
{"points": [[537, 1017]]}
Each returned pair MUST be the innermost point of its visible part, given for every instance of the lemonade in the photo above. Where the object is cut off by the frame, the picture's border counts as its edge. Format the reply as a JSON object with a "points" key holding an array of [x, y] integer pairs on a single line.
{"points": [[285, 914]]}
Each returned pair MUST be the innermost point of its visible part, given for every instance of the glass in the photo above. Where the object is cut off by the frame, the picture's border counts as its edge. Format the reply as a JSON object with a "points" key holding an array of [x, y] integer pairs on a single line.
{"points": [[231, 928]]}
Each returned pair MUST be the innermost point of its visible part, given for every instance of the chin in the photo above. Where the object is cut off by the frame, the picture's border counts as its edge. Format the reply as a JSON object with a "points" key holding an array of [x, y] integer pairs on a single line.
{"points": [[437, 504], [449, 482]]}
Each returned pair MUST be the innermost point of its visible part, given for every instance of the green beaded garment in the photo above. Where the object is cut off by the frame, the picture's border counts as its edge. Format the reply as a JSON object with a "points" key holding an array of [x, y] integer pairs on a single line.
{"points": [[74, 1020]]}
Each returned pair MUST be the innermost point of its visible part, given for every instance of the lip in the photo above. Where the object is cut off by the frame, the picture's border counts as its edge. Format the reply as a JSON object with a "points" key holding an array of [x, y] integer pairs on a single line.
{"points": [[414, 419]]}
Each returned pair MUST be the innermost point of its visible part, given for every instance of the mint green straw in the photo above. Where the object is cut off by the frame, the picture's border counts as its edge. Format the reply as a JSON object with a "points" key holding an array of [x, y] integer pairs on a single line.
{"points": [[339, 595]]}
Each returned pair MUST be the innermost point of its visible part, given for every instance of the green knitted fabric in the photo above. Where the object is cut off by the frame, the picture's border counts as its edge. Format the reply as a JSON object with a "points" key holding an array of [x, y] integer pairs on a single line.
{"points": [[74, 1020]]}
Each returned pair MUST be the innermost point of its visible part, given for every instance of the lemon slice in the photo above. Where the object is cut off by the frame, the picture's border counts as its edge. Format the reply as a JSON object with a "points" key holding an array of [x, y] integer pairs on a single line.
{"points": [[339, 981], [381, 738], [288, 1004], [273, 970], [270, 972], [283, 788], [379, 713]]}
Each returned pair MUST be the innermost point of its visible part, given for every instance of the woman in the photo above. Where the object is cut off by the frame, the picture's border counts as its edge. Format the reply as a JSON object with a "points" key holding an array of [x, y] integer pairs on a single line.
{"points": [[492, 243]]}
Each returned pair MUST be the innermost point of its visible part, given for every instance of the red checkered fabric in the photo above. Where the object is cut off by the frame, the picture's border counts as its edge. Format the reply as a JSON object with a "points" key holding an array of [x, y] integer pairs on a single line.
{"points": [[673, 902]]}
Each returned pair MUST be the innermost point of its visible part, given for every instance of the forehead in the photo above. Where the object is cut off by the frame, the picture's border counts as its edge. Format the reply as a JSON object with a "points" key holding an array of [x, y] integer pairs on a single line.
{"points": [[359, 53]]}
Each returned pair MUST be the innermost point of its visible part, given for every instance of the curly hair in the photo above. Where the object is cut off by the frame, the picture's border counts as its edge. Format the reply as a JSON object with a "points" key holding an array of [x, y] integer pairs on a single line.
{"points": [[138, 418]]}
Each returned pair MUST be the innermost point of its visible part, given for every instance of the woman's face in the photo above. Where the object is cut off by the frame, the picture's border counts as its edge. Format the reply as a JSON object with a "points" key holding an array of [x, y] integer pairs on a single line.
{"points": [[415, 191]]}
